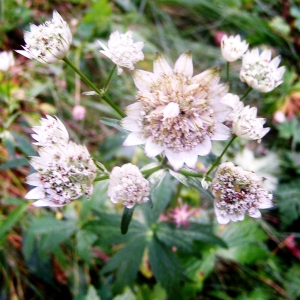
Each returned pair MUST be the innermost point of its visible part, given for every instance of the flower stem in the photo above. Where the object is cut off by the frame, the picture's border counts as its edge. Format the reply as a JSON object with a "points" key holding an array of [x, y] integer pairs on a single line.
{"points": [[216, 162], [227, 71], [99, 92], [191, 174], [246, 94], [109, 78], [104, 177], [150, 171]]}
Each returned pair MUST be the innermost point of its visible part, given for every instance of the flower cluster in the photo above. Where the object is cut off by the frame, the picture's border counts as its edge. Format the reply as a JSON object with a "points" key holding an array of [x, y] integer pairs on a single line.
{"points": [[48, 42], [177, 113], [127, 184], [260, 72], [238, 192], [65, 170], [122, 50], [233, 48]]}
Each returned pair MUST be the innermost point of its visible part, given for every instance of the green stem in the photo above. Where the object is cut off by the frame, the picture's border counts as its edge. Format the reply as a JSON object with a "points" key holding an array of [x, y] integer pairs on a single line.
{"points": [[246, 94], [191, 174], [213, 166], [104, 177], [227, 71], [150, 171], [100, 93], [109, 77]]}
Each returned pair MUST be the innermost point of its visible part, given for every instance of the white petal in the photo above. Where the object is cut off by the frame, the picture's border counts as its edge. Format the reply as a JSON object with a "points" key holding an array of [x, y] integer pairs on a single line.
{"points": [[222, 133], [184, 64], [35, 193], [41, 203], [130, 124], [152, 149], [190, 158], [33, 179], [134, 138], [204, 148], [174, 159], [161, 66], [143, 80], [223, 220], [255, 214]]}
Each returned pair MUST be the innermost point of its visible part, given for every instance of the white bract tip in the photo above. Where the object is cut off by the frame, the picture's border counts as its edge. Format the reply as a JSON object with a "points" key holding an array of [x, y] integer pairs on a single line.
{"points": [[6, 60], [233, 48]]}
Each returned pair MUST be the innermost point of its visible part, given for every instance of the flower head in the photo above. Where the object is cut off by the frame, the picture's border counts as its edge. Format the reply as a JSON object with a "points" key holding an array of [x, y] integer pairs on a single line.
{"points": [[78, 112], [233, 48], [123, 51], [177, 113], [180, 215], [48, 42], [127, 184], [51, 132], [247, 126], [6, 60], [260, 72], [238, 192], [64, 173]]}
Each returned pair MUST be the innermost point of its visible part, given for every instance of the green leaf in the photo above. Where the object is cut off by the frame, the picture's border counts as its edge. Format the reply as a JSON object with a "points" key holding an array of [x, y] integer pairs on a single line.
{"points": [[127, 262], [166, 268], [85, 240], [292, 281], [126, 219], [192, 182], [115, 123], [184, 239], [24, 145], [160, 197], [12, 219], [14, 163]]}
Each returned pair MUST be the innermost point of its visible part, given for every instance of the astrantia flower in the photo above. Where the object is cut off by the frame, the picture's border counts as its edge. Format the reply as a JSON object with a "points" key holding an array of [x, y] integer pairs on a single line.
{"points": [[176, 113], [237, 193], [247, 126], [49, 42], [51, 132], [234, 102], [6, 60], [64, 173], [233, 48], [123, 51], [260, 72], [127, 184]]}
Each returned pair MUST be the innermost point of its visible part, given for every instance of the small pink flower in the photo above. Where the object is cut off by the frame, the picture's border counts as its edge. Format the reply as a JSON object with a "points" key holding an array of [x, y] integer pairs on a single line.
{"points": [[78, 112], [180, 215]]}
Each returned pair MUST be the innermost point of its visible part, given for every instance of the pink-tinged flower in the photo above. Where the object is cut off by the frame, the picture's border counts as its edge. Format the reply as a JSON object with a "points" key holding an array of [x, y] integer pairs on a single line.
{"points": [[260, 72], [177, 114], [48, 42], [51, 132], [6, 60], [233, 48], [237, 193], [247, 126], [234, 102], [180, 215], [127, 184], [78, 112], [122, 50], [64, 173]]}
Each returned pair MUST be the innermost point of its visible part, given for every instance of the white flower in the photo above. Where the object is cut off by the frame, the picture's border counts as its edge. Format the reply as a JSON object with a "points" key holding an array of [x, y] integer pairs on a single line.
{"points": [[52, 131], [233, 48], [6, 60], [64, 173], [260, 72], [122, 50], [234, 102], [238, 192], [177, 113], [247, 126], [48, 42], [127, 184]]}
